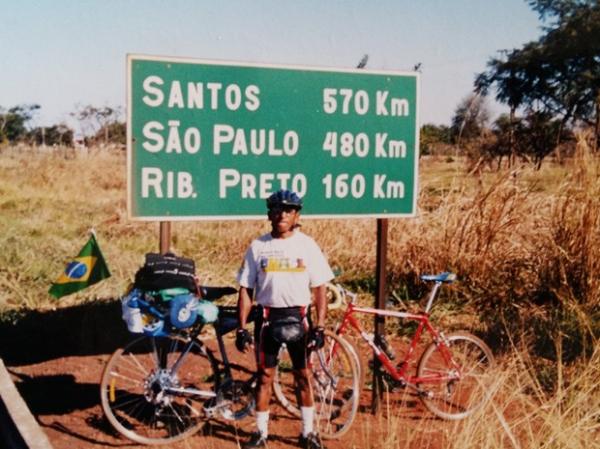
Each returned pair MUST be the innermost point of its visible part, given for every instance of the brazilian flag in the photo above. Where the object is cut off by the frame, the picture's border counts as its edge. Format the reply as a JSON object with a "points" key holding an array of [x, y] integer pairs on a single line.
{"points": [[84, 270]]}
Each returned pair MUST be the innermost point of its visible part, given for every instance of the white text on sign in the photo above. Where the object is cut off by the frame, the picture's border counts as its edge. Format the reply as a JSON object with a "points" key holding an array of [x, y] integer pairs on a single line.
{"points": [[348, 145], [200, 95], [348, 101]]}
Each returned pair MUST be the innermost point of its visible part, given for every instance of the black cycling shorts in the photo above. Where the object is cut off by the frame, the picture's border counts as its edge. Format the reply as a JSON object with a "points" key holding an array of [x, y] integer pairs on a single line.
{"points": [[267, 349]]}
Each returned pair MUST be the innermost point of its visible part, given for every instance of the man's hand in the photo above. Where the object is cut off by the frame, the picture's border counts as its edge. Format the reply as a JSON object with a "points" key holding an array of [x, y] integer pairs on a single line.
{"points": [[243, 340], [316, 338]]}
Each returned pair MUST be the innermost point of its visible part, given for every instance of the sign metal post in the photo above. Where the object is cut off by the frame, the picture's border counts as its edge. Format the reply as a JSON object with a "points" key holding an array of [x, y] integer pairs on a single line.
{"points": [[380, 299]]}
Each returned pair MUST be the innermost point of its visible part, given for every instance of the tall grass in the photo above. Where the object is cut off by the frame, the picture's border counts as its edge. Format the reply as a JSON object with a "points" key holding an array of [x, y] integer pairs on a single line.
{"points": [[520, 413], [525, 244]]}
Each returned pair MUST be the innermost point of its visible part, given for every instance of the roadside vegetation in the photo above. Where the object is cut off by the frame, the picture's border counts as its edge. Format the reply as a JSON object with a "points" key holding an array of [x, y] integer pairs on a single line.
{"points": [[525, 243]]}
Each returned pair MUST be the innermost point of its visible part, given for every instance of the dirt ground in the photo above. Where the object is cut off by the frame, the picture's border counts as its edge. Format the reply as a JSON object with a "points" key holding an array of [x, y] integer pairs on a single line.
{"points": [[63, 395], [56, 360]]}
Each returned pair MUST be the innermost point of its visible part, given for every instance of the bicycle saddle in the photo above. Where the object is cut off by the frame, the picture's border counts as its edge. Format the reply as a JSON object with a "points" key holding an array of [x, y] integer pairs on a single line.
{"points": [[441, 277]]}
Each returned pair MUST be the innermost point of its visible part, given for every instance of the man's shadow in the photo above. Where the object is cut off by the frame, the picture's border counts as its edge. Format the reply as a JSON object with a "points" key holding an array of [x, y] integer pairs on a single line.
{"points": [[37, 336]]}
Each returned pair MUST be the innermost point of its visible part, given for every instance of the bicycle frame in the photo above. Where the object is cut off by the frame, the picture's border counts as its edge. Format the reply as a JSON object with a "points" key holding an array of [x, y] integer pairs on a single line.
{"points": [[400, 372]]}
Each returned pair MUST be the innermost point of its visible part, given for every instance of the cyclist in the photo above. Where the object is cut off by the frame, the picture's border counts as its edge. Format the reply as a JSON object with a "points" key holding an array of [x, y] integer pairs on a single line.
{"points": [[281, 269]]}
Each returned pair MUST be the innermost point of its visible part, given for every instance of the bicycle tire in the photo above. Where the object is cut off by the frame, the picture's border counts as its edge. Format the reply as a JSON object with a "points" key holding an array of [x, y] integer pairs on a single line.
{"points": [[236, 399], [360, 363], [457, 398], [336, 400], [284, 384], [135, 396]]}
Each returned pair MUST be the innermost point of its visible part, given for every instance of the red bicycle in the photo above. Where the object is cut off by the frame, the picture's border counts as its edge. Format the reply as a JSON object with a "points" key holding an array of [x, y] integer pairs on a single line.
{"points": [[454, 372]]}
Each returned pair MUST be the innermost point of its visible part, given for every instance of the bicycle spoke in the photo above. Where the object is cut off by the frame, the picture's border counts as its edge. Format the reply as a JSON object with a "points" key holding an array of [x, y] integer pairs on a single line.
{"points": [[131, 360], [156, 406], [335, 382], [338, 376], [450, 393]]}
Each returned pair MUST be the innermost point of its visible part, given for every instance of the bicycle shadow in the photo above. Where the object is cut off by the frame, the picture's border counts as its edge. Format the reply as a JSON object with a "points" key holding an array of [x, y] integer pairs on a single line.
{"points": [[61, 395], [55, 394], [238, 432], [38, 336]]}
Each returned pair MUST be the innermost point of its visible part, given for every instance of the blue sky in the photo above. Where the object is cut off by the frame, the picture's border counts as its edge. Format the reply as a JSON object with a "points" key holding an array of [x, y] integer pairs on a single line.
{"points": [[60, 53]]}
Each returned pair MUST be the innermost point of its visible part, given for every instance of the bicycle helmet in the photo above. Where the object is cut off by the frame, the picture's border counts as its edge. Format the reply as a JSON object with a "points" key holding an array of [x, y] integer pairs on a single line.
{"points": [[284, 198]]}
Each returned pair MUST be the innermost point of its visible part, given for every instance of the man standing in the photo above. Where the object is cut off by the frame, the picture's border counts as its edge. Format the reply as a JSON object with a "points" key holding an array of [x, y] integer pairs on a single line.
{"points": [[282, 269]]}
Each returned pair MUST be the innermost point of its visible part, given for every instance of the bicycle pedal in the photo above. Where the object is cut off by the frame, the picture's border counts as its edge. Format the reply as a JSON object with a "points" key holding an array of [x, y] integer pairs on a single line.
{"points": [[210, 411], [393, 384]]}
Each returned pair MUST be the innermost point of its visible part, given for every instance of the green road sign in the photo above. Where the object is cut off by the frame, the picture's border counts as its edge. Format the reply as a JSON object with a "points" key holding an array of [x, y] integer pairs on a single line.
{"points": [[212, 139]]}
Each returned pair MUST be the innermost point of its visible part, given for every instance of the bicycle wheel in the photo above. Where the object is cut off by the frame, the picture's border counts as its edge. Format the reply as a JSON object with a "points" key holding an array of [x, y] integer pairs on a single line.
{"points": [[153, 390], [361, 366], [335, 383], [284, 386], [236, 398], [455, 388]]}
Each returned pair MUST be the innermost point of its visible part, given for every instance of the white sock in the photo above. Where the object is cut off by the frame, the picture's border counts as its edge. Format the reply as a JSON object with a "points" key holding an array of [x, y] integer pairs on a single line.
{"points": [[262, 423], [308, 417]]}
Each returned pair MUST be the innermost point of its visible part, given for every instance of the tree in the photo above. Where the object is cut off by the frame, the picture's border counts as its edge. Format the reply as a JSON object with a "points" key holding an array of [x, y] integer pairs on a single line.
{"points": [[95, 122], [432, 136], [504, 129], [470, 118], [114, 132], [13, 123], [535, 137], [539, 134], [557, 75], [52, 135]]}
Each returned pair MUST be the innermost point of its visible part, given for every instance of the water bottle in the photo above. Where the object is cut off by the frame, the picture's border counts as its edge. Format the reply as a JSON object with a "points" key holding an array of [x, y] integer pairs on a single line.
{"points": [[132, 314]]}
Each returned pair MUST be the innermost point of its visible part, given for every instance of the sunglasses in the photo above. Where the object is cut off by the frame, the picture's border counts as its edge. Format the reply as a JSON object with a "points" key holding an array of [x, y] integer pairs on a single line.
{"points": [[280, 209]]}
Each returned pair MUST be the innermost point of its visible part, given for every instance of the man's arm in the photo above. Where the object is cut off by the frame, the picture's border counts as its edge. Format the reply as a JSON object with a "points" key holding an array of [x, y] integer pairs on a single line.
{"points": [[320, 294], [243, 339], [244, 305]]}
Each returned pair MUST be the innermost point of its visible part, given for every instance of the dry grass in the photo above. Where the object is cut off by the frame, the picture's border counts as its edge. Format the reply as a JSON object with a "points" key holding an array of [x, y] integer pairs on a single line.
{"points": [[519, 240], [525, 243], [520, 413]]}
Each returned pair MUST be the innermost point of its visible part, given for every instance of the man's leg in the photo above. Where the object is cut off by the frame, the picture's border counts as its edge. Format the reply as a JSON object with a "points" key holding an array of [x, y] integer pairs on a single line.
{"points": [[266, 360], [263, 398], [309, 439], [306, 401]]}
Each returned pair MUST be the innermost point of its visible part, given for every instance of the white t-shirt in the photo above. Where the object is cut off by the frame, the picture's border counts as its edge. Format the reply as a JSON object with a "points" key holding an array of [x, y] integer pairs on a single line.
{"points": [[281, 271]]}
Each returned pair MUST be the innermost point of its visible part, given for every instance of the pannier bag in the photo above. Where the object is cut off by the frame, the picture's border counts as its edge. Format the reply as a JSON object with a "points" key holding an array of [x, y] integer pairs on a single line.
{"points": [[186, 309], [137, 321], [162, 271], [180, 312]]}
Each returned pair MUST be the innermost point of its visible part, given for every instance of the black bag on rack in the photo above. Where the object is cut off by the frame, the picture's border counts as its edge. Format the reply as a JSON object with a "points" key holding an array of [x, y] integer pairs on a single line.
{"points": [[161, 271]]}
